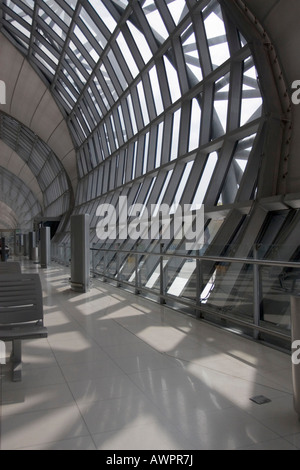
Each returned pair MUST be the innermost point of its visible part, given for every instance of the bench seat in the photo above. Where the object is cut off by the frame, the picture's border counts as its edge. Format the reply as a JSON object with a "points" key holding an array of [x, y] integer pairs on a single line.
{"points": [[10, 267], [21, 313]]}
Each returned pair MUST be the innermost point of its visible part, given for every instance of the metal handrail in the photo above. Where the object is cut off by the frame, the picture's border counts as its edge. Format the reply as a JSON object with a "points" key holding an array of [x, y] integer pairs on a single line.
{"points": [[217, 259], [199, 307]]}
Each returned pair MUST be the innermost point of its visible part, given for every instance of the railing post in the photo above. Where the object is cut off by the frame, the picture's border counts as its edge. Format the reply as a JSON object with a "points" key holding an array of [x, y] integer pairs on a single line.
{"points": [[93, 259], [45, 247], [118, 264], [65, 260], [104, 266], [80, 253], [136, 267], [161, 277], [257, 294], [199, 285]]}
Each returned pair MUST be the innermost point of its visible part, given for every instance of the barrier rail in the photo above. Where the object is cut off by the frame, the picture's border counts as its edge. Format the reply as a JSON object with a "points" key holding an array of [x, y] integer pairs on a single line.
{"points": [[246, 292], [250, 295]]}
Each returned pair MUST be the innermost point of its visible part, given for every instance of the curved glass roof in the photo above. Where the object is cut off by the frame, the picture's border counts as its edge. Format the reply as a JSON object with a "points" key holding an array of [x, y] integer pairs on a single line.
{"points": [[116, 61], [43, 164], [161, 97], [23, 204], [163, 101], [166, 103]]}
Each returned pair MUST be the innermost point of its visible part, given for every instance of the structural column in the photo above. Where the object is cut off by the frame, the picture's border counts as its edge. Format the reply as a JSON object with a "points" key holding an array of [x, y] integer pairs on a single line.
{"points": [[18, 243], [3, 254], [45, 247], [31, 245], [80, 253], [25, 244], [295, 339]]}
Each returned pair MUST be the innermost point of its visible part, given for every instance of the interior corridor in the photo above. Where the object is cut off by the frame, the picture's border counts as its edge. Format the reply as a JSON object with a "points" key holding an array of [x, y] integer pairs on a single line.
{"points": [[120, 372]]}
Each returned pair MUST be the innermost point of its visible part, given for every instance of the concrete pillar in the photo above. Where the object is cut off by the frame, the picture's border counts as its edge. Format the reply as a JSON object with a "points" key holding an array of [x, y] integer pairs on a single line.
{"points": [[25, 244], [44, 246], [80, 253], [295, 338], [3, 253], [31, 245]]}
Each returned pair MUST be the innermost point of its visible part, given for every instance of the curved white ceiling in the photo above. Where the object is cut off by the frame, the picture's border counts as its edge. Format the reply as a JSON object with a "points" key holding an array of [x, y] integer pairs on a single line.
{"points": [[8, 217], [29, 101], [19, 205], [11, 161]]}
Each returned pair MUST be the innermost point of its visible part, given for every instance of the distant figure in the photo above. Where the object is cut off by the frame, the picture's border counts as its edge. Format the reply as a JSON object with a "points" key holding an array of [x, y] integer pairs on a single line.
{"points": [[6, 251]]}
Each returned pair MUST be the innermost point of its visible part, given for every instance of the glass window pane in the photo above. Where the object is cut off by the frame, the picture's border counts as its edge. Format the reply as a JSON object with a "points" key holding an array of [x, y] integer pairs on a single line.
{"points": [[205, 180], [59, 11], [159, 145], [127, 55], [236, 170], [181, 187], [156, 91], [251, 97], [141, 42], [155, 20], [175, 134], [93, 28], [178, 9], [57, 29], [173, 80], [122, 122], [216, 34], [23, 13], [104, 14], [143, 103], [132, 114], [109, 82], [83, 40], [221, 98], [191, 55], [115, 65], [195, 125]]}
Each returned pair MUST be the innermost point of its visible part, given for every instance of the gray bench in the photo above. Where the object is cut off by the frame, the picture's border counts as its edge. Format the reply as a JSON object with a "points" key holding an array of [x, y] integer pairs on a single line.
{"points": [[21, 314], [10, 267]]}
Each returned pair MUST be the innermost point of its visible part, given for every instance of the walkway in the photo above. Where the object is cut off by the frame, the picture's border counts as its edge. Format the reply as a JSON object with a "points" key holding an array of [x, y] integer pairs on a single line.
{"points": [[120, 372]]}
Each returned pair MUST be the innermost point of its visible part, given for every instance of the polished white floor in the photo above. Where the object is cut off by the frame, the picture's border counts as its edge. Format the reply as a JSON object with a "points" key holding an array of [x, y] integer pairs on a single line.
{"points": [[118, 372]]}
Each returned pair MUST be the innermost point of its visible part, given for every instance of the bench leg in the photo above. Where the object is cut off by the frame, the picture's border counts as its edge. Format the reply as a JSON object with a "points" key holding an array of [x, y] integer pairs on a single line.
{"points": [[16, 357]]}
